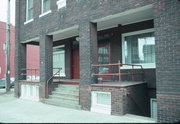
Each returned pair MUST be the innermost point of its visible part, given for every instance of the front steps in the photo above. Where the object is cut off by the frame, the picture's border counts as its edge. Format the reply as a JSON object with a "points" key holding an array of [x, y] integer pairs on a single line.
{"points": [[65, 96]]}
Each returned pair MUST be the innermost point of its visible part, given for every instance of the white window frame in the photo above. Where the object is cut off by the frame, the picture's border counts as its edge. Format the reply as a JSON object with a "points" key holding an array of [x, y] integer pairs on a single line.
{"points": [[27, 94], [145, 65], [61, 74], [61, 4], [151, 103], [44, 13], [100, 108], [27, 14]]}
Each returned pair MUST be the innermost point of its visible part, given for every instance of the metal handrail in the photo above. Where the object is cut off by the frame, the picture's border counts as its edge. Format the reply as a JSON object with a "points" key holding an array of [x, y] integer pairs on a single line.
{"points": [[119, 72], [47, 83], [31, 71]]}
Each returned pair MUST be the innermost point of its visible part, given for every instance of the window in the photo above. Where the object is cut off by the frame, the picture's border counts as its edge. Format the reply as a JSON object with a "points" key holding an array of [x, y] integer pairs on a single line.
{"points": [[59, 59], [139, 48], [103, 98], [61, 3], [30, 92], [101, 102], [103, 58], [29, 10], [46, 5]]}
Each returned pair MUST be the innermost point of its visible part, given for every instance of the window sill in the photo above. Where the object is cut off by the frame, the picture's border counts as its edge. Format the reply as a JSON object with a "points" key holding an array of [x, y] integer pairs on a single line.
{"points": [[61, 75], [144, 66], [31, 20], [46, 13]]}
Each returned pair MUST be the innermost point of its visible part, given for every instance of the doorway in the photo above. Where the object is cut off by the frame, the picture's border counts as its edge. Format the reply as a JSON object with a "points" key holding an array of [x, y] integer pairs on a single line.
{"points": [[75, 64]]}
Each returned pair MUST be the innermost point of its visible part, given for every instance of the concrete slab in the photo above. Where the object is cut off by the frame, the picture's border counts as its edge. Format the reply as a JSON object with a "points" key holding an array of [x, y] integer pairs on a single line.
{"points": [[14, 110]]}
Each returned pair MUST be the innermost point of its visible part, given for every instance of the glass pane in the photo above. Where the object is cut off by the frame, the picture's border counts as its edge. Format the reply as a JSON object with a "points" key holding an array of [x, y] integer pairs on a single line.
{"points": [[46, 5], [103, 98], [103, 58], [140, 48], [59, 59], [30, 10]]}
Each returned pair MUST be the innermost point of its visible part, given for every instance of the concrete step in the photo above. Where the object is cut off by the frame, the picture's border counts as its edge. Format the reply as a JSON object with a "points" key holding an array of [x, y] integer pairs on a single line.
{"points": [[64, 97], [66, 92], [67, 87], [62, 104], [68, 101]]}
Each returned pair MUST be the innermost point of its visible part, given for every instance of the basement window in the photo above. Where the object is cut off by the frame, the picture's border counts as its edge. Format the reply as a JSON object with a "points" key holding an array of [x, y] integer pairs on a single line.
{"points": [[30, 92], [101, 102]]}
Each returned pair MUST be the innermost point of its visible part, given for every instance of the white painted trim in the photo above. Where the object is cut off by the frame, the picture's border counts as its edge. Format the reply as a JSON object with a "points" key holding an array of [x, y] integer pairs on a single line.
{"points": [[59, 46], [31, 20], [61, 4], [64, 30], [151, 102], [131, 11], [138, 32], [43, 14], [100, 108], [137, 21], [25, 92], [33, 39], [144, 65]]}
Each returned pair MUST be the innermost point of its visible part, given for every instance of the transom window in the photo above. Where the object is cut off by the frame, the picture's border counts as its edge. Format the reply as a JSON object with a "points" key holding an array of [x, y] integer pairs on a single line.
{"points": [[29, 9], [46, 5], [139, 48]]}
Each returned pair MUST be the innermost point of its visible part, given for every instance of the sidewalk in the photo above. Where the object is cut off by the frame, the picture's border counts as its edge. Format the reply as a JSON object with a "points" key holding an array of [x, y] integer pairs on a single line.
{"points": [[13, 110]]}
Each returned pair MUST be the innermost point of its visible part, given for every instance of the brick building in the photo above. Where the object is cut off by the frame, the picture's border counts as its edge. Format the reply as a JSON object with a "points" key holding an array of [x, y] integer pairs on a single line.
{"points": [[116, 56], [2, 52], [32, 57]]}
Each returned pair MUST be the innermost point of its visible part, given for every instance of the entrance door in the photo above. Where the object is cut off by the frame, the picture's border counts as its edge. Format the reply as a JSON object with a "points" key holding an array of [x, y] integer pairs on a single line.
{"points": [[59, 60], [75, 64], [104, 58]]}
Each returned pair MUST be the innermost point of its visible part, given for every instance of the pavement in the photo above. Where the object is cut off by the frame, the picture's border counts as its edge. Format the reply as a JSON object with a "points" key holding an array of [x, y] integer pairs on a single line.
{"points": [[14, 110]]}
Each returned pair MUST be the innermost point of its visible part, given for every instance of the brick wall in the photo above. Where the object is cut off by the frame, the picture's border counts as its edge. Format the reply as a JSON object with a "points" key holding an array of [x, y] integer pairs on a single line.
{"points": [[128, 100], [167, 31], [166, 24]]}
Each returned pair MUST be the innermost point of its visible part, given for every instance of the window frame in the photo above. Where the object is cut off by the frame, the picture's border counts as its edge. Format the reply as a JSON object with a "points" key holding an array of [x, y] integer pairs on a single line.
{"points": [[63, 74], [144, 65], [95, 99], [27, 12], [42, 7]]}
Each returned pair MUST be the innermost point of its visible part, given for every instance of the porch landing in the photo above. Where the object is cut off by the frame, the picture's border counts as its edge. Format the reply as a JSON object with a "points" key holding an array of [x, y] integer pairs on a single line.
{"points": [[67, 81], [122, 84]]}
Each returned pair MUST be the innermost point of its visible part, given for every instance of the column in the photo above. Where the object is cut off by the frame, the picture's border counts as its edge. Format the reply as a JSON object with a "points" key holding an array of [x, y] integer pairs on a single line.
{"points": [[20, 63], [167, 35], [88, 56], [46, 63]]}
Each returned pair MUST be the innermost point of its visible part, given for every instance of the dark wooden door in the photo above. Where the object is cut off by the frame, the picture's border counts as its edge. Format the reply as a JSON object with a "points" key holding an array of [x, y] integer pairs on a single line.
{"points": [[75, 64]]}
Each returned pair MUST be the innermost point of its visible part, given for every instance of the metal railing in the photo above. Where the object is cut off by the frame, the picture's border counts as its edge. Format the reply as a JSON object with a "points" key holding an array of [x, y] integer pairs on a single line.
{"points": [[119, 73], [47, 83], [33, 73]]}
